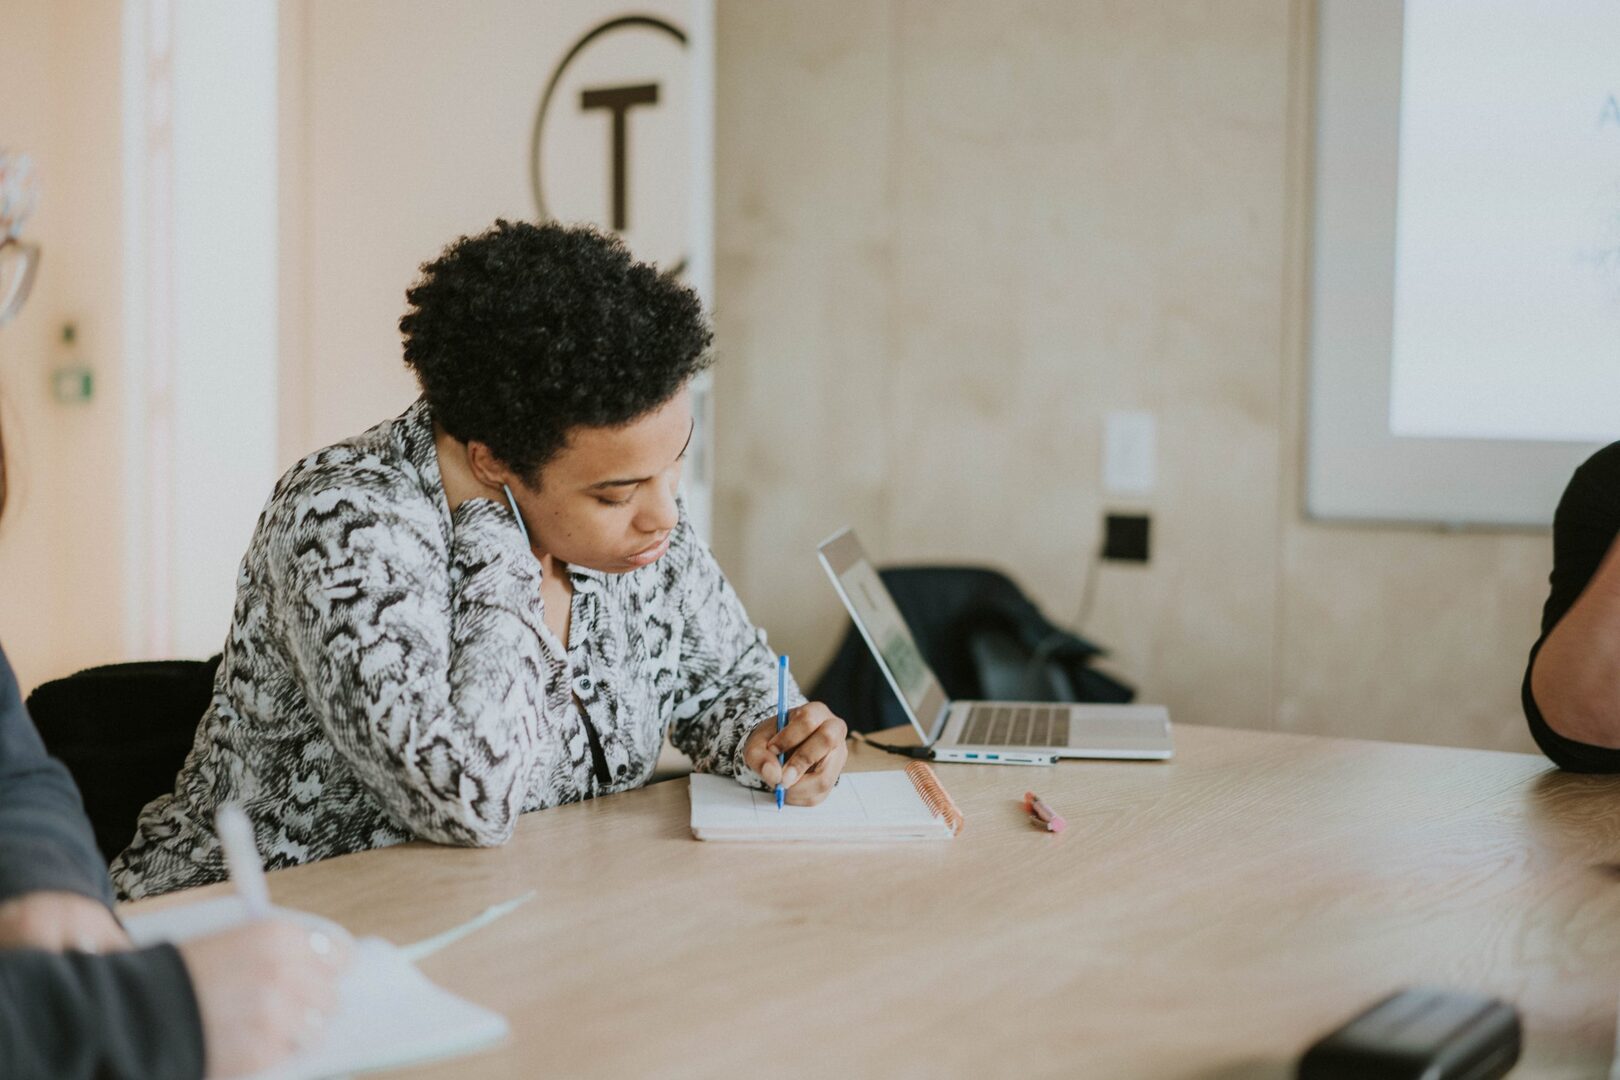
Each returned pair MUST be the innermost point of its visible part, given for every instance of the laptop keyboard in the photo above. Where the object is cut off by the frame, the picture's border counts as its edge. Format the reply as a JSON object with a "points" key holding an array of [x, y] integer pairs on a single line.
{"points": [[1017, 725]]}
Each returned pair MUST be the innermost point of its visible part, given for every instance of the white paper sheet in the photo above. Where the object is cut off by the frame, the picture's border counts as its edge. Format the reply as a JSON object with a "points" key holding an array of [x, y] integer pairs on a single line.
{"points": [[867, 806], [389, 1014]]}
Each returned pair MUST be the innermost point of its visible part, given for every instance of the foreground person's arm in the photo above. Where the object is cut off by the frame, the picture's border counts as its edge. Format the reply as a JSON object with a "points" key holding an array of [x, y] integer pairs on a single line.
{"points": [[225, 1005], [54, 891], [70, 1015]]}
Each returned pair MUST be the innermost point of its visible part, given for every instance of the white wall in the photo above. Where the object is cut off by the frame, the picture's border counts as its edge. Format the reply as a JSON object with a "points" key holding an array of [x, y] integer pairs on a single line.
{"points": [[200, 227], [952, 236], [1017, 216]]}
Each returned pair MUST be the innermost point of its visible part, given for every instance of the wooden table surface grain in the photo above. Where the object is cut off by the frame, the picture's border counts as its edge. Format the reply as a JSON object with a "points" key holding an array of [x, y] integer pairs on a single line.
{"points": [[1206, 917]]}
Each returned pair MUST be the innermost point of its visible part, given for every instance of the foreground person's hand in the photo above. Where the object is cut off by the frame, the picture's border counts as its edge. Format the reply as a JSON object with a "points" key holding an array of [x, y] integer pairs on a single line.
{"points": [[264, 990]]}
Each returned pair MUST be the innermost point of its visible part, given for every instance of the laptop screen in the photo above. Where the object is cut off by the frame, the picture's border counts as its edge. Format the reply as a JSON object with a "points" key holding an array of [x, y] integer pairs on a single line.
{"points": [[885, 631]]}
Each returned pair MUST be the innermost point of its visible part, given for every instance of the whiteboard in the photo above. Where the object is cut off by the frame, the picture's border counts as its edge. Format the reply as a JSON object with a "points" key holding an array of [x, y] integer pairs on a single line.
{"points": [[1357, 468]]}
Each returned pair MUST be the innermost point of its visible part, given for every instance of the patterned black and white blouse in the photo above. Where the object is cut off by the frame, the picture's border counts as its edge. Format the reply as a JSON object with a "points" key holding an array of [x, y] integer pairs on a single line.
{"points": [[388, 675]]}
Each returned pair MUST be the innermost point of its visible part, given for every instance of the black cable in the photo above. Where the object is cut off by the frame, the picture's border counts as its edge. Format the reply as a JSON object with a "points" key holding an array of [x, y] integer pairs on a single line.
{"points": [[922, 753], [1088, 591]]}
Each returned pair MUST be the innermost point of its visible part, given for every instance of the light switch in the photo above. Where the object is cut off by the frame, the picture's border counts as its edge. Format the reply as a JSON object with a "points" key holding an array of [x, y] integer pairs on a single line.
{"points": [[72, 385], [1130, 460]]}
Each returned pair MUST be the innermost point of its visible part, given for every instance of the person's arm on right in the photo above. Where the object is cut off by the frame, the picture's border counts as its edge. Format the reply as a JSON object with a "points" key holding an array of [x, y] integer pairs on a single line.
{"points": [[1572, 688], [425, 666], [1576, 675]]}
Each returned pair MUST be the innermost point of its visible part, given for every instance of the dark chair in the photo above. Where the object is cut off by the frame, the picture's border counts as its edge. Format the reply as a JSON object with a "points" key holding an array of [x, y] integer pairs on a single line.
{"points": [[123, 731], [984, 639]]}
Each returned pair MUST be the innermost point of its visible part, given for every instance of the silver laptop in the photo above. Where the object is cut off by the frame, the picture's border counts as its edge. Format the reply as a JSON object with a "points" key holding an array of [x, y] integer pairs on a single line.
{"points": [[999, 732]]}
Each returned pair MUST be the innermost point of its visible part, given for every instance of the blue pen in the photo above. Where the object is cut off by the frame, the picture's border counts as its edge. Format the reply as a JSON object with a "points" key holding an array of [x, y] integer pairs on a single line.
{"points": [[781, 714]]}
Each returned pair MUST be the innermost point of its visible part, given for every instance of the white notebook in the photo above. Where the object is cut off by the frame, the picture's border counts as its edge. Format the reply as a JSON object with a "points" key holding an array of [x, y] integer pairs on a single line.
{"points": [[864, 806], [389, 1014]]}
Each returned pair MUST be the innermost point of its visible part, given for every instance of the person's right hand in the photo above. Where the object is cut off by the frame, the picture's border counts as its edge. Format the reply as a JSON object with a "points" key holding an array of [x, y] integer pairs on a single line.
{"points": [[264, 990]]}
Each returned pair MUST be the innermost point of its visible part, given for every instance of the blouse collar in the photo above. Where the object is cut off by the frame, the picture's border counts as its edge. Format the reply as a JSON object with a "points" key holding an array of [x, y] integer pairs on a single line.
{"points": [[414, 430]]}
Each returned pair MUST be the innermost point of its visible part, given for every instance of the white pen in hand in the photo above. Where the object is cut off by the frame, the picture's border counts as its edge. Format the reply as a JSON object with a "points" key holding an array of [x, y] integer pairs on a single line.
{"points": [[242, 859]]}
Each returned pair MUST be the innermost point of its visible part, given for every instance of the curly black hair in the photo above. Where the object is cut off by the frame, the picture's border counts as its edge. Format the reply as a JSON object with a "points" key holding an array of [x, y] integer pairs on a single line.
{"points": [[525, 331]]}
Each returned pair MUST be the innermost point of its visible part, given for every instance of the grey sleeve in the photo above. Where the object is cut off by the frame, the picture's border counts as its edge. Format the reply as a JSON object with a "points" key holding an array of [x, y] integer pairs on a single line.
{"points": [[426, 667], [121, 1016], [727, 680], [45, 839]]}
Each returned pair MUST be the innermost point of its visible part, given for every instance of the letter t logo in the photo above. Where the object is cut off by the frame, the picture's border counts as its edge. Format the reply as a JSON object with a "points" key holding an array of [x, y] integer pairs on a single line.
{"points": [[620, 99]]}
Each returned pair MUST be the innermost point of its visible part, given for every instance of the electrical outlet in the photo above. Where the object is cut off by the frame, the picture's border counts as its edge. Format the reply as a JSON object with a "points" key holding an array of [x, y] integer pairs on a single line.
{"points": [[1126, 537]]}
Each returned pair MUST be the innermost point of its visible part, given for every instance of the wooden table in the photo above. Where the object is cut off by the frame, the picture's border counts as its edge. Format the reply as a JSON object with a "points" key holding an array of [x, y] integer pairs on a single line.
{"points": [[1202, 918]]}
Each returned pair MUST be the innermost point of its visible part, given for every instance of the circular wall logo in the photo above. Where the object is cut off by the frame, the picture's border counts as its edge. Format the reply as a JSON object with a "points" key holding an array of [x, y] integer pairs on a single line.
{"points": [[612, 141]]}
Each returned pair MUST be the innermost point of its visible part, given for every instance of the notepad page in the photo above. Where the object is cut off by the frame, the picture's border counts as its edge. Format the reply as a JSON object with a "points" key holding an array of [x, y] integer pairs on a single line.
{"points": [[864, 806], [389, 1014]]}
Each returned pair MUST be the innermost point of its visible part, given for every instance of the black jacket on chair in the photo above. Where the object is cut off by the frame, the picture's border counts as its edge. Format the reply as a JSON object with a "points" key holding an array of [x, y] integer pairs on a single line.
{"points": [[123, 731], [984, 639]]}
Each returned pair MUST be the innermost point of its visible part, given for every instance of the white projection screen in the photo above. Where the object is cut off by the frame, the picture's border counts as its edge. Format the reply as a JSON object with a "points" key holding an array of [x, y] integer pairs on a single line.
{"points": [[1465, 269]]}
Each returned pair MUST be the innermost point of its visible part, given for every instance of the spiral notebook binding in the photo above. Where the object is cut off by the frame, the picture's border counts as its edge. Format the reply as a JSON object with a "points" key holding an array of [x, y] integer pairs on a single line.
{"points": [[934, 795]]}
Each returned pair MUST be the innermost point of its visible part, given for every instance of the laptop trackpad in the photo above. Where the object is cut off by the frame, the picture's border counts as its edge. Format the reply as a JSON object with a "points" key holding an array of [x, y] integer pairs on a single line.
{"points": [[1119, 727]]}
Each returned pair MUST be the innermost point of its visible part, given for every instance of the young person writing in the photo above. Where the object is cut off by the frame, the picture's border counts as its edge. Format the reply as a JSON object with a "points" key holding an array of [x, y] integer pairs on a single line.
{"points": [[493, 603]]}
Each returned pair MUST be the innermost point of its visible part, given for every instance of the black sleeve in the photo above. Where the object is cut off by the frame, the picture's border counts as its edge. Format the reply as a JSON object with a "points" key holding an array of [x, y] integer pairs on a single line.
{"points": [[1584, 528], [45, 839], [119, 1015]]}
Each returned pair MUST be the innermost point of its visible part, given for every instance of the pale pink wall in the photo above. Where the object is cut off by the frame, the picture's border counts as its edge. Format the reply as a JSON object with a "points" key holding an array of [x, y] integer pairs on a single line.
{"points": [[404, 123], [60, 543], [407, 124]]}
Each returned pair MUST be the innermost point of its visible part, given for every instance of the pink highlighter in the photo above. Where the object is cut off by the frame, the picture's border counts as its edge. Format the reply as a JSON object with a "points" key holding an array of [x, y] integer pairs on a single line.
{"points": [[1044, 815]]}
